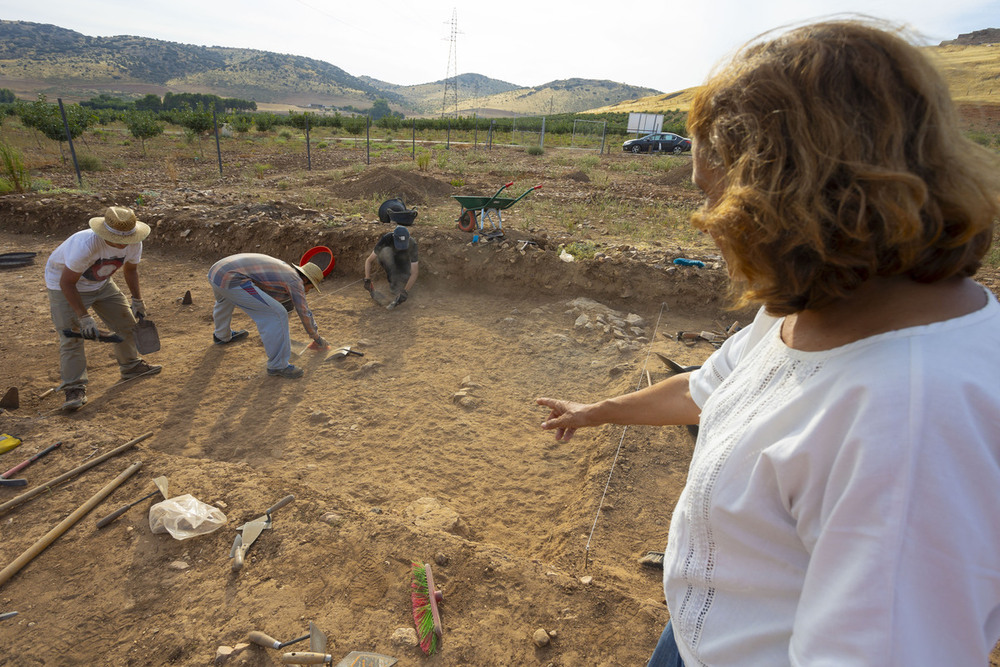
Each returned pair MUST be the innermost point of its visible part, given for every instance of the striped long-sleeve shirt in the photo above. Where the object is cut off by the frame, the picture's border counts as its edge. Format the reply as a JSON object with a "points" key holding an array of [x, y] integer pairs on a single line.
{"points": [[274, 277]]}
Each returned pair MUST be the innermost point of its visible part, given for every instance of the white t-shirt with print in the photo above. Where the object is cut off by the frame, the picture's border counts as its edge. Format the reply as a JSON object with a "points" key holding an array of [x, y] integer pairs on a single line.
{"points": [[842, 507], [87, 253]]}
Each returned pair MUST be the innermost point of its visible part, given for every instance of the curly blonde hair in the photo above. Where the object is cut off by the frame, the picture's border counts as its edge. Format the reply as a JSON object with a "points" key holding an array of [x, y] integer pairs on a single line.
{"points": [[842, 161]]}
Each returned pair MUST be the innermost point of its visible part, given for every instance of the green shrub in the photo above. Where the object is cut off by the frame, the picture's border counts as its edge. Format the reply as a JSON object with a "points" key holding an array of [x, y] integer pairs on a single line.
{"points": [[241, 122], [143, 125], [458, 182], [89, 163], [423, 160], [535, 150], [14, 176], [582, 249], [321, 145], [265, 121], [285, 134]]}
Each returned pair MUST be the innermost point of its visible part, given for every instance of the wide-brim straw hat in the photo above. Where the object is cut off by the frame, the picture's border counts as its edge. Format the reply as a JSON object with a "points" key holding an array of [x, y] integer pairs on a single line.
{"points": [[312, 272], [119, 225]]}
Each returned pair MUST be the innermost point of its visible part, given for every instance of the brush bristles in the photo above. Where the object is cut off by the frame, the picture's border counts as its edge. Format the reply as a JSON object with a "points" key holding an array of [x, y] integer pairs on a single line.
{"points": [[422, 616]]}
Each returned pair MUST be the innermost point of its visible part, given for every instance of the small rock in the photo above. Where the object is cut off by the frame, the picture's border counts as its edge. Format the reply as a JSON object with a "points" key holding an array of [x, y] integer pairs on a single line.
{"points": [[635, 320], [581, 321], [332, 519], [222, 654], [618, 370], [440, 558], [404, 637], [587, 580], [541, 638], [222, 504], [178, 565]]}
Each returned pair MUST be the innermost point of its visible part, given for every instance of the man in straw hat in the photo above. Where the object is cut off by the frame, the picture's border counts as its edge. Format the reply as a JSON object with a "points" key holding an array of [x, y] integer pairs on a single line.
{"points": [[259, 285], [78, 278]]}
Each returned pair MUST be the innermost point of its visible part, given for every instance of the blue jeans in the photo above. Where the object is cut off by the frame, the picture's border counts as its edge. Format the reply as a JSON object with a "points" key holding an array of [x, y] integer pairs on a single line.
{"points": [[268, 314], [666, 654]]}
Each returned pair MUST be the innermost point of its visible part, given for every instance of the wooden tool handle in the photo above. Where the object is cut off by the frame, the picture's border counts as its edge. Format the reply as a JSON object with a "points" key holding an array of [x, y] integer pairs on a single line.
{"points": [[305, 658], [65, 524], [281, 503], [267, 641], [42, 488]]}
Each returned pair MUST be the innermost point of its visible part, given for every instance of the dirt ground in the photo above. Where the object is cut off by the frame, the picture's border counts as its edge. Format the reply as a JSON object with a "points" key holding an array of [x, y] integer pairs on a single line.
{"points": [[425, 449]]}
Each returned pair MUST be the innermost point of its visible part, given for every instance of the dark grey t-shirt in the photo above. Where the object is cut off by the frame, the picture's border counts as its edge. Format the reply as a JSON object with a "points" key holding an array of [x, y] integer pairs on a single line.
{"points": [[396, 263]]}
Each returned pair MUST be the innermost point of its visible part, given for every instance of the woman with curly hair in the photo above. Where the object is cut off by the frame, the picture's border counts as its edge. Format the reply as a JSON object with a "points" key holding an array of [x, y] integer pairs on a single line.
{"points": [[842, 504]]}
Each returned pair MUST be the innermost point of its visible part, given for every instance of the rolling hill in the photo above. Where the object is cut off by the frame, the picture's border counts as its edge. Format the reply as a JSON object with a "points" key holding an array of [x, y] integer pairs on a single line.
{"points": [[970, 64], [39, 58]]}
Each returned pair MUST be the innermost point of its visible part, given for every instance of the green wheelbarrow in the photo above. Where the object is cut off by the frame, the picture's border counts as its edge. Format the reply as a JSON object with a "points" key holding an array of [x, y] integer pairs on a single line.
{"points": [[477, 209]]}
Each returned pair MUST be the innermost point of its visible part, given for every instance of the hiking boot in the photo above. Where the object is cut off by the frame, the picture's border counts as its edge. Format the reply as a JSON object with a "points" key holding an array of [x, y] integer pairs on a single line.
{"points": [[141, 368], [233, 337], [76, 398], [290, 371]]}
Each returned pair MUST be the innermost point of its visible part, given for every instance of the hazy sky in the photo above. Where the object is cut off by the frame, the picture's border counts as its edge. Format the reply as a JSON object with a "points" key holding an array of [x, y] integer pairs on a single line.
{"points": [[666, 46]]}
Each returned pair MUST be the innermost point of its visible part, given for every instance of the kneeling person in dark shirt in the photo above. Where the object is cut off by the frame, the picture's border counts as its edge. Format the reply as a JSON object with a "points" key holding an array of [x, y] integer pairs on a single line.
{"points": [[397, 253]]}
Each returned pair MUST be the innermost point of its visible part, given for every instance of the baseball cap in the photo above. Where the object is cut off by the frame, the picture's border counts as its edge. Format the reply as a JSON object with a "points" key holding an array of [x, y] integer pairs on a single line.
{"points": [[401, 238]]}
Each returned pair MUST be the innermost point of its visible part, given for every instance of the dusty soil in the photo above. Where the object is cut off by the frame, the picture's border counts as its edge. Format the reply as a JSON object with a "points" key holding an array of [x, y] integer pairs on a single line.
{"points": [[426, 449]]}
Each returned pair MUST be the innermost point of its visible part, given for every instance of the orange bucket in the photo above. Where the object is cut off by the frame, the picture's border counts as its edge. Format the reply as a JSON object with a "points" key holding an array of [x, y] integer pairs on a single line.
{"points": [[322, 257]]}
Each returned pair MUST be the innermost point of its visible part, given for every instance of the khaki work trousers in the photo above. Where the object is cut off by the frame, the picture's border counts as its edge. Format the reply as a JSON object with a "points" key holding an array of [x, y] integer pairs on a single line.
{"points": [[112, 307]]}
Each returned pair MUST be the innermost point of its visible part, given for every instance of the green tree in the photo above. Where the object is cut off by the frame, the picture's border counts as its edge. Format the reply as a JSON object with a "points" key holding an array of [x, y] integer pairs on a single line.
{"points": [[240, 122], [265, 121], [143, 125], [7, 96], [198, 120], [46, 118], [379, 109], [150, 102]]}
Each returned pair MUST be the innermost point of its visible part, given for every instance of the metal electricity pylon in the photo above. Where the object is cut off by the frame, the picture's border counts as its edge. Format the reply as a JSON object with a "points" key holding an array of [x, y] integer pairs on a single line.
{"points": [[451, 77]]}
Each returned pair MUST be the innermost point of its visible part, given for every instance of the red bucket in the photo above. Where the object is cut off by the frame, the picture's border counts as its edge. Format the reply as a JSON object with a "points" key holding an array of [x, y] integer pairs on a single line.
{"points": [[322, 257]]}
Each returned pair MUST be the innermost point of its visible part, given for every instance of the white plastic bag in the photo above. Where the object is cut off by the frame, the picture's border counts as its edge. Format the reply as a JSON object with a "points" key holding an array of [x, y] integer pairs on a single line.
{"points": [[185, 516]]}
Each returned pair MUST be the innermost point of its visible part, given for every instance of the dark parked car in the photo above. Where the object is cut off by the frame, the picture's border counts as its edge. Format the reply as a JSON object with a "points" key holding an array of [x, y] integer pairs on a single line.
{"points": [[661, 141]]}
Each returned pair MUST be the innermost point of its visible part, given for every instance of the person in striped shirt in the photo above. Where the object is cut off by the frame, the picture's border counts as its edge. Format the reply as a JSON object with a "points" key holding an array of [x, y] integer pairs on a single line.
{"points": [[261, 285]]}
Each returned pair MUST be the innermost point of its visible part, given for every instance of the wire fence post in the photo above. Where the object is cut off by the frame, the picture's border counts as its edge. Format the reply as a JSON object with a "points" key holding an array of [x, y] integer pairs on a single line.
{"points": [[69, 139], [475, 131], [309, 160], [541, 137], [604, 133], [413, 138], [218, 149], [368, 139], [447, 144]]}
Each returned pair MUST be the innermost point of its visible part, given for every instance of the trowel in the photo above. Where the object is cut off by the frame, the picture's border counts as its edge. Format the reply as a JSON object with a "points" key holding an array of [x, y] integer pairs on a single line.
{"points": [[251, 531], [342, 352], [317, 655], [147, 340]]}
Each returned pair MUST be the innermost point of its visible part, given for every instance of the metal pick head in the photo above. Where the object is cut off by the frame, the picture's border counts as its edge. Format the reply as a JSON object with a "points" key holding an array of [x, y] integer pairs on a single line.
{"points": [[317, 639]]}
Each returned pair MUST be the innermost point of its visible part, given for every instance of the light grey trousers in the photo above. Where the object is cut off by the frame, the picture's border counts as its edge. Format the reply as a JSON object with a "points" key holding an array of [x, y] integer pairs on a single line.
{"points": [[267, 313], [112, 307]]}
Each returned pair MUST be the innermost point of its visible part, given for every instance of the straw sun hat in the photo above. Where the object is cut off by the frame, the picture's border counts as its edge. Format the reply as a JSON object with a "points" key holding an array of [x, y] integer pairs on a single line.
{"points": [[312, 272], [119, 225]]}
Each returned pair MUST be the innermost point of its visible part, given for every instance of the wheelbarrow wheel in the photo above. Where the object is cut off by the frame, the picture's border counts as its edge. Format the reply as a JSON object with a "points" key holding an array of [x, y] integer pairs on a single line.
{"points": [[467, 221]]}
